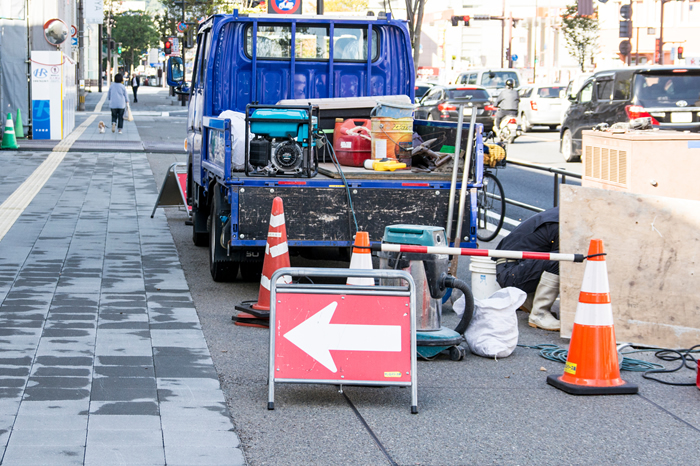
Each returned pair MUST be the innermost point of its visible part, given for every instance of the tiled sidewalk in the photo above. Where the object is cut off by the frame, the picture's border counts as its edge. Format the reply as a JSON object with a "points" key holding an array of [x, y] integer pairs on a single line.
{"points": [[102, 358]]}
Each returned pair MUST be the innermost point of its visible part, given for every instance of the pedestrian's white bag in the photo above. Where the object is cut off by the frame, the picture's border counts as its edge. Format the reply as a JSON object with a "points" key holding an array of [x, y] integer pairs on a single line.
{"points": [[129, 115], [238, 138], [493, 330]]}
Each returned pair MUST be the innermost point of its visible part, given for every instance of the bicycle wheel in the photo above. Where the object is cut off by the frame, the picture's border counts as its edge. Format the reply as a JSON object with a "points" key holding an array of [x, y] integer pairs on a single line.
{"points": [[491, 208]]}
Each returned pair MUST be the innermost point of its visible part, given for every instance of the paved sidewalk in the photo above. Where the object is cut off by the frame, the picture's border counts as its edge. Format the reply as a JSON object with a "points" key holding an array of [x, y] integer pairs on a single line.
{"points": [[102, 357]]}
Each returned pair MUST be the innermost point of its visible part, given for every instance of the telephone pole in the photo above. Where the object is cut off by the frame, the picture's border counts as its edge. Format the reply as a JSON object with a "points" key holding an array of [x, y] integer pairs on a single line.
{"points": [[81, 58]]}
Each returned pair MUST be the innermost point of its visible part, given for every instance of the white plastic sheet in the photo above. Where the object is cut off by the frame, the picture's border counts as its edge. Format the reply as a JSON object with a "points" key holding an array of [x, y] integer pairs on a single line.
{"points": [[237, 138]]}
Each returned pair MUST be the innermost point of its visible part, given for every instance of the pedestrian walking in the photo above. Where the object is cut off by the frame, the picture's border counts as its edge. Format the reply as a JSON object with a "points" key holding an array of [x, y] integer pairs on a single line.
{"points": [[117, 102], [135, 83]]}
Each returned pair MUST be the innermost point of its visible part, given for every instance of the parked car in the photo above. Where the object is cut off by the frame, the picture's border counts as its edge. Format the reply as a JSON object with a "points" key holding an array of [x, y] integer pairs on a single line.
{"points": [[421, 88], [669, 95], [442, 103], [493, 80], [540, 105]]}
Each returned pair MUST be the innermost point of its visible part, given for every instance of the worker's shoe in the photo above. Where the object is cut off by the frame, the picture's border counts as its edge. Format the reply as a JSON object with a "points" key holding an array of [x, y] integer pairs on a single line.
{"points": [[527, 305], [546, 294]]}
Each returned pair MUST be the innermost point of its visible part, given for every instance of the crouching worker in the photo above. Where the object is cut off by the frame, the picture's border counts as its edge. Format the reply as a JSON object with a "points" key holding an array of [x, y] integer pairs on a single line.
{"points": [[539, 233]]}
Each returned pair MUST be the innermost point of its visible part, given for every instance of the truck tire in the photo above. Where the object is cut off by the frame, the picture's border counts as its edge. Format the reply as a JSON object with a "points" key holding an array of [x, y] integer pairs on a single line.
{"points": [[221, 267], [199, 238], [251, 271]]}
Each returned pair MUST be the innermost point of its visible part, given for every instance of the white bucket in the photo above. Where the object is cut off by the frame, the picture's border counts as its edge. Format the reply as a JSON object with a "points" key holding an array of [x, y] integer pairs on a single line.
{"points": [[484, 282]]}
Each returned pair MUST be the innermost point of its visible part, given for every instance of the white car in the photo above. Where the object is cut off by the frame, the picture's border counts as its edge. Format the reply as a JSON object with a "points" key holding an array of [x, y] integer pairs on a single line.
{"points": [[493, 79], [571, 92], [540, 105]]}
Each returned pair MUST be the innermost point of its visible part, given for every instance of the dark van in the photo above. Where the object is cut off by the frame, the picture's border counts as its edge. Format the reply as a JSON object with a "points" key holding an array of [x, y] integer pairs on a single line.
{"points": [[669, 95]]}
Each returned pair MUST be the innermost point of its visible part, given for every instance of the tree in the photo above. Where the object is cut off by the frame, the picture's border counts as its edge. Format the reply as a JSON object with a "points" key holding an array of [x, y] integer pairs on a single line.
{"points": [[344, 6], [136, 32], [414, 14], [580, 33]]}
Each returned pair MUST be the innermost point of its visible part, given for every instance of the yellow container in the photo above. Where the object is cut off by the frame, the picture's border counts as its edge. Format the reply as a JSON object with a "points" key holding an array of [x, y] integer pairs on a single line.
{"points": [[391, 137]]}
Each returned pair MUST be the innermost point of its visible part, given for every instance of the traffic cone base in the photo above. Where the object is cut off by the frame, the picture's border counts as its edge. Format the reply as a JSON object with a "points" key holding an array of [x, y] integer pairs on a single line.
{"points": [[244, 319], [591, 365], [361, 259]]}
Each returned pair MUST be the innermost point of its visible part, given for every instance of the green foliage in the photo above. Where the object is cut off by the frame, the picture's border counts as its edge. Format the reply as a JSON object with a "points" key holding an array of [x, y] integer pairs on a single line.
{"points": [[580, 34], [136, 32]]}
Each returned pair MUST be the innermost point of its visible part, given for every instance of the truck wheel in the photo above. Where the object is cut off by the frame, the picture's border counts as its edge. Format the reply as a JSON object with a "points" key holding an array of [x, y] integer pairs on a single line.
{"points": [[199, 238], [222, 269], [251, 271]]}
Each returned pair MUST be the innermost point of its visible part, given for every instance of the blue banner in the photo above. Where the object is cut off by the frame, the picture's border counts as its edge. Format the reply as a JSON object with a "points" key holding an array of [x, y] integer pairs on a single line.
{"points": [[41, 119]]}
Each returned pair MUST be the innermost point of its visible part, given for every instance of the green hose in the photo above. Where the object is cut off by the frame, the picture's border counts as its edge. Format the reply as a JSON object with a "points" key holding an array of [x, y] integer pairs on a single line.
{"points": [[554, 353]]}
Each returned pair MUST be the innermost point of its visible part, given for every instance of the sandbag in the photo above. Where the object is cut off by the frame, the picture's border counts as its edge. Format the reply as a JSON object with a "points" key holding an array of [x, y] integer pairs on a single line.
{"points": [[237, 138], [493, 330]]}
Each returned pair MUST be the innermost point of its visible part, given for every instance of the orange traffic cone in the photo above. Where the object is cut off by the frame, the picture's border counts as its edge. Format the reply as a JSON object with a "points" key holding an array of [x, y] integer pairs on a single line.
{"points": [[361, 259], [592, 366], [276, 257]]}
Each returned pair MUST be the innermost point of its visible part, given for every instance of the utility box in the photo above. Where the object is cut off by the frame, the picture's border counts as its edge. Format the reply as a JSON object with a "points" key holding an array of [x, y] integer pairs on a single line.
{"points": [[659, 163]]}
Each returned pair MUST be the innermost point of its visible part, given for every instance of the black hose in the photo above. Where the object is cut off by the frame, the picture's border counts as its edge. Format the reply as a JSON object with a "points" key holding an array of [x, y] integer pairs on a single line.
{"points": [[452, 282]]}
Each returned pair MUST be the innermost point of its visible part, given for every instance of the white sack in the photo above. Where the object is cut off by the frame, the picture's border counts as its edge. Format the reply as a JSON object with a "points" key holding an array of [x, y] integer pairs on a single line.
{"points": [[493, 330], [237, 138]]}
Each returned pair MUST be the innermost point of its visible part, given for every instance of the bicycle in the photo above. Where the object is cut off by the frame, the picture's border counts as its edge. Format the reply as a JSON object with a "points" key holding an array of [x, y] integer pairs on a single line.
{"points": [[490, 200]]}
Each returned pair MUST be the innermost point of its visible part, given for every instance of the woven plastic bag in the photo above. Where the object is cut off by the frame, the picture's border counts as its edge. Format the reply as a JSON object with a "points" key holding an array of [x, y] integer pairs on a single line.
{"points": [[493, 330]]}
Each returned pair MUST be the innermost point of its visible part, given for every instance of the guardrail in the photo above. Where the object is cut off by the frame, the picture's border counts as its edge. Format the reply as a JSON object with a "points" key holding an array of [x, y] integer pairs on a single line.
{"points": [[556, 171]]}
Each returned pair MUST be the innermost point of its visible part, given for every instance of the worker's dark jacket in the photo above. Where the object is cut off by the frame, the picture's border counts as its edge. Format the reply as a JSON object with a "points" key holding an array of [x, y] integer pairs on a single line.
{"points": [[539, 233], [508, 99]]}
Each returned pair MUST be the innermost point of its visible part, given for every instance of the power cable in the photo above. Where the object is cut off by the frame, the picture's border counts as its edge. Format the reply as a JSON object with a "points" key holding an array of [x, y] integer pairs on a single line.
{"points": [[334, 159], [554, 353]]}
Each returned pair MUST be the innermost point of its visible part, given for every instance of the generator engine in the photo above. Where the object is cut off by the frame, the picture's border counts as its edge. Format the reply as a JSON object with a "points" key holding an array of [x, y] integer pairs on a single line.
{"points": [[282, 144]]}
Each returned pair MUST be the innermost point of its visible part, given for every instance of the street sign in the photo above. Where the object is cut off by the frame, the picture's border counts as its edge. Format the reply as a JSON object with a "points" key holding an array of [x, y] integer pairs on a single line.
{"points": [[625, 47], [514, 58], [342, 334], [73, 31], [181, 27], [74, 41], [692, 61], [284, 7]]}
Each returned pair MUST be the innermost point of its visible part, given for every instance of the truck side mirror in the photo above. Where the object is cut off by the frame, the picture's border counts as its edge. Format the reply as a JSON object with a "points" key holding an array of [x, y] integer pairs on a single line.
{"points": [[176, 72]]}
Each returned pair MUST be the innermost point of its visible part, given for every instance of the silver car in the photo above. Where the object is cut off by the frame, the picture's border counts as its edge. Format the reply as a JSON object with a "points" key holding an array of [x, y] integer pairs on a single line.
{"points": [[540, 105]]}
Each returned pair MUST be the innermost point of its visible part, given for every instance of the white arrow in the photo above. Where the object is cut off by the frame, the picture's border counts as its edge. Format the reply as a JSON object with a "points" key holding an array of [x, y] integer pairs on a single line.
{"points": [[316, 336]]}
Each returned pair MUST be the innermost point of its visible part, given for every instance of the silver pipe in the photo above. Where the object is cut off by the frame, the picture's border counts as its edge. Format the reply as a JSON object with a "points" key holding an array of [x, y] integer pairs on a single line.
{"points": [[465, 176], [455, 168]]}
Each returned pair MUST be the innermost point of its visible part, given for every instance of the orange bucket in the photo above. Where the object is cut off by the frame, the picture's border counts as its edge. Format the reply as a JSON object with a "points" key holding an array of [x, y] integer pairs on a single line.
{"points": [[391, 137]]}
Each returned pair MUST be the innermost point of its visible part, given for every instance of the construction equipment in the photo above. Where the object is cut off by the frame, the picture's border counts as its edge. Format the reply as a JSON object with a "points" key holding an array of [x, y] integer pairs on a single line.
{"points": [[429, 271]]}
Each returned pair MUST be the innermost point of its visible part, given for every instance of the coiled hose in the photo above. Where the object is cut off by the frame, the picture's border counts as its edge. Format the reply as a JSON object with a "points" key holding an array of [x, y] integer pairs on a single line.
{"points": [[452, 282]]}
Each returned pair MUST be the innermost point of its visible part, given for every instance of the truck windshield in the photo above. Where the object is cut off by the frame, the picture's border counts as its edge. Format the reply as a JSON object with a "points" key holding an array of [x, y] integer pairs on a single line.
{"points": [[672, 89], [497, 79]]}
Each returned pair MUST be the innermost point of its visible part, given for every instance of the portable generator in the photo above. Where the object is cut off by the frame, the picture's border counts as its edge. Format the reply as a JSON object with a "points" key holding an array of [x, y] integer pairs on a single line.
{"points": [[283, 142]]}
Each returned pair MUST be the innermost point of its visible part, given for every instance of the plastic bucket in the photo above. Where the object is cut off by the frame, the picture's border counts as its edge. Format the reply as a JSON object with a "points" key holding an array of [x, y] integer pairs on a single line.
{"points": [[484, 282], [391, 137]]}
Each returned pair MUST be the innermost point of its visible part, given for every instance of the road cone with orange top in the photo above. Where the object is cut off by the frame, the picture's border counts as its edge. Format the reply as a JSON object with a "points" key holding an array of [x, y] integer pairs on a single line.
{"points": [[361, 259], [276, 257], [592, 366]]}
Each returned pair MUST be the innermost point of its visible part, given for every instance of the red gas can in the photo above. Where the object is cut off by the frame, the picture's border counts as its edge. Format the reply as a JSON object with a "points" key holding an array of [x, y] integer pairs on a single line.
{"points": [[353, 144]]}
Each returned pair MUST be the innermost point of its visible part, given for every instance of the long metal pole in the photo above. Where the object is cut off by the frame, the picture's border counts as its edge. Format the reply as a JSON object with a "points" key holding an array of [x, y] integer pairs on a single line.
{"points": [[465, 181], [661, 34], [455, 169], [81, 57], [99, 58]]}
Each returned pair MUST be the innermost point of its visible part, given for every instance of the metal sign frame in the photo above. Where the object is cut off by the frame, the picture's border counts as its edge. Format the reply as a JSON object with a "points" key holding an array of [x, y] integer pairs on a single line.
{"points": [[389, 291], [167, 196]]}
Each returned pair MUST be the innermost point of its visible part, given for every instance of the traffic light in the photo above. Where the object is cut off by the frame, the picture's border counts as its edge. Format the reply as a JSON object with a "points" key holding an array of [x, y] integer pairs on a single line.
{"points": [[626, 11], [112, 44], [456, 19], [119, 48], [626, 29], [168, 47], [680, 53]]}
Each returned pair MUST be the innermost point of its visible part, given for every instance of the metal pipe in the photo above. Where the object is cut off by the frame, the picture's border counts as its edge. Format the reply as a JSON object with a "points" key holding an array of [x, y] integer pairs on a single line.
{"points": [[455, 169], [556, 189]]}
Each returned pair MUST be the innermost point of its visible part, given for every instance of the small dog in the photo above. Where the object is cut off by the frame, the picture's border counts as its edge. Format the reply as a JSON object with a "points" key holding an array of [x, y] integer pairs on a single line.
{"points": [[101, 126]]}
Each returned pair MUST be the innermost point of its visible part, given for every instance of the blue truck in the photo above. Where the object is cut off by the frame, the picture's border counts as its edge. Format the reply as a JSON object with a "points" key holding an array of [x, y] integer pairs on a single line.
{"points": [[321, 68]]}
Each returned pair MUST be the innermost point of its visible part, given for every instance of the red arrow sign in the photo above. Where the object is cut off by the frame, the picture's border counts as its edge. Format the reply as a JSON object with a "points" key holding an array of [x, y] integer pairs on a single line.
{"points": [[342, 337]]}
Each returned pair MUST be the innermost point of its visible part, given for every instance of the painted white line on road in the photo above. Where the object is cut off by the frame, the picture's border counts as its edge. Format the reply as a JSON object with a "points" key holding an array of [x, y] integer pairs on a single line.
{"points": [[539, 138], [98, 107], [12, 208]]}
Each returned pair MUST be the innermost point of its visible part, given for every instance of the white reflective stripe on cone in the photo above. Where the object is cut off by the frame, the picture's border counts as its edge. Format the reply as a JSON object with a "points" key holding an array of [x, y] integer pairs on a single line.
{"points": [[276, 220], [594, 314], [279, 249], [286, 279], [360, 281], [265, 282], [267, 248], [595, 278]]}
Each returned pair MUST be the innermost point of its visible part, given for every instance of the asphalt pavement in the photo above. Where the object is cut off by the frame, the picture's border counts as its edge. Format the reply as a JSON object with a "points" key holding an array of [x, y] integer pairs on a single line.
{"points": [[87, 274]]}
